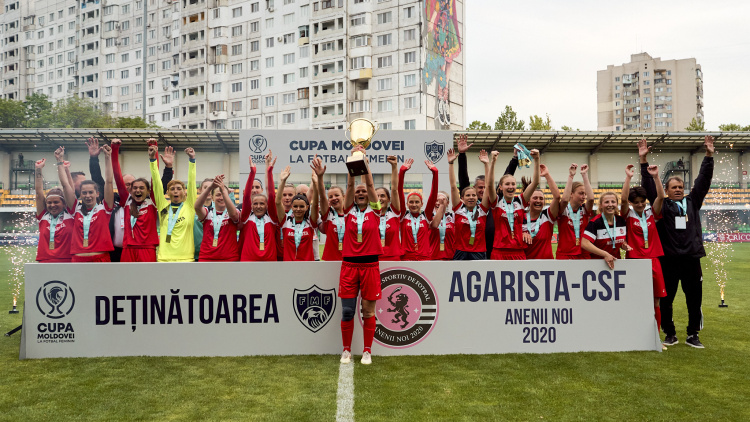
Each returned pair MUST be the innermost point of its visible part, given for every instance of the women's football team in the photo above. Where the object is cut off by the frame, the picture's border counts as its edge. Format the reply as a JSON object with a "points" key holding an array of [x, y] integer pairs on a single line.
{"points": [[362, 224]]}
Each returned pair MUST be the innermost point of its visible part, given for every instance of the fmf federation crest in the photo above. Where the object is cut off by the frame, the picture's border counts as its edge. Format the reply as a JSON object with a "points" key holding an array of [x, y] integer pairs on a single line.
{"points": [[434, 151], [314, 307]]}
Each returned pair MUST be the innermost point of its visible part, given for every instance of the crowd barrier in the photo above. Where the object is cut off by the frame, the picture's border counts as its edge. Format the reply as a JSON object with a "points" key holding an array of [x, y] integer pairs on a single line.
{"points": [[245, 308]]}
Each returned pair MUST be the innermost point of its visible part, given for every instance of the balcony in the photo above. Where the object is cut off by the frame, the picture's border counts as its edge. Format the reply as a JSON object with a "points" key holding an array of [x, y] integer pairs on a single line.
{"points": [[217, 115], [303, 41], [218, 59], [327, 72], [192, 6], [364, 73], [326, 8], [363, 95]]}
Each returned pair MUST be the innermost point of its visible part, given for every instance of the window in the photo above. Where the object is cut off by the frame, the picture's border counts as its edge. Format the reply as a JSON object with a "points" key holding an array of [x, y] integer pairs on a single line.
{"points": [[237, 87], [410, 124], [254, 26], [617, 79], [289, 19], [386, 61], [288, 38], [269, 23], [304, 52], [303, 72], [384, 84], [303, 93], [617, 95], [288, 78], [386, 126], [384, 39], [669, 81], [410, 80], [254, 45], [410, 34], [410, 102], [124, 74], [304, 113], [409, 12], [124, 106], [254, 8], [254, 83], [237, 12], [125, 90], [358, 19], [237, 49], [125, 58], [410, 57], [216, 87], [254, 122], [236, 124], [360, 41], [236, 30], [270, 101], [269, 62], [361, 62], [254, 65], [109, 58], [385, 17], [269, 42], [385, 105], [617, 87], [287, 118], [237, 106], [359, 106], [289, 58], [254, 104], [269, 81], [236, 68], [269, 120], [220, 69]]}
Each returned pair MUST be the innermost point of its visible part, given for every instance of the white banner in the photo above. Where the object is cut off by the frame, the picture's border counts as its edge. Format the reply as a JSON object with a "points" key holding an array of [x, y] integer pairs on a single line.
{"points": [[243, 308], [297, 148]]}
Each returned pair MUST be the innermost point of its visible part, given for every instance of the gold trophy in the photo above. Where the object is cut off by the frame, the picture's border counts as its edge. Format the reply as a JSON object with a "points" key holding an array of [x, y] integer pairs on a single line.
{"points": [[361, 132]]}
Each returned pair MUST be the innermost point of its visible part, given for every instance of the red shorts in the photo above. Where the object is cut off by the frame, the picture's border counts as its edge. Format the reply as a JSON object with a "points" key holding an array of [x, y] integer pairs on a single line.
{"points": [[138, 255], [508, 255], [356, 277], [582, 255], [102, 257], [659, 287]]}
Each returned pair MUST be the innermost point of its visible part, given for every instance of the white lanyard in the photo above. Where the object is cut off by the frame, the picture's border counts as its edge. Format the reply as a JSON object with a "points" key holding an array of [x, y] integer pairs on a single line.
{"points": [[360, 222], [52, 228], [415, 227], [472, 222], [613, 234], [173, 218], [216, 220], [87, 226], [441, 227], [340, 226], [576, 218], [509, 212], [644, 225], [260, 225], [298, 229], [533, 227]]}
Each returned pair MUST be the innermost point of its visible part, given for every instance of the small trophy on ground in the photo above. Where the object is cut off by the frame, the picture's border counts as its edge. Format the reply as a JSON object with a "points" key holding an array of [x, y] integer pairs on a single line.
{"points": [[360, 134]]}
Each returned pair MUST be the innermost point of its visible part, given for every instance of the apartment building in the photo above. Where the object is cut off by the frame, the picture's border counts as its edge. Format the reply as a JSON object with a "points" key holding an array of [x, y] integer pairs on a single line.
{"points": [[649, 95], [239, 64]]}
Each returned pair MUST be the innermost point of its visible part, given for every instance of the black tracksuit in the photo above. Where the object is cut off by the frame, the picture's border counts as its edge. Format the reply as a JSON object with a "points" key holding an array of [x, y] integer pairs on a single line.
{"points": [[683, 248]]}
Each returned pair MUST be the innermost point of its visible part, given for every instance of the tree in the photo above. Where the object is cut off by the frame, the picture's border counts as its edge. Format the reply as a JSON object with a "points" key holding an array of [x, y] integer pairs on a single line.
{"points": [[509, 120], [12, 114], [38, 110], [696, 126], [477, 125], [734, 127], [565, 128], [134, 123], [77, 112], [537, 123]]}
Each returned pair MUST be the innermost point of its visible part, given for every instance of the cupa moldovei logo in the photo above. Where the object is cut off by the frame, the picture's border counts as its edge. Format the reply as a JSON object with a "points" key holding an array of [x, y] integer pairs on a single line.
{"points": [[257, 144], [407, 310], [55, 299]]}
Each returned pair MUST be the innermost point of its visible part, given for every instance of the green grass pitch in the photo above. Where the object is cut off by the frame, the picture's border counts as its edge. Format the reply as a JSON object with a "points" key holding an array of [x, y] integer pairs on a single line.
{"points": [[680, 384]]}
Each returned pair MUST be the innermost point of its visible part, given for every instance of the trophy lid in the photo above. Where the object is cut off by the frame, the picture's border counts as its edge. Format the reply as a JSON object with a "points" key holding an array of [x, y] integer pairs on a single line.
{"points": [[361, 132]]}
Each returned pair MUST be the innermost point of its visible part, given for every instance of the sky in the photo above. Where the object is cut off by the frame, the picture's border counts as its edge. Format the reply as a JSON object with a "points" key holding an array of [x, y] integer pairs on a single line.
{"points": [[541, 57]]}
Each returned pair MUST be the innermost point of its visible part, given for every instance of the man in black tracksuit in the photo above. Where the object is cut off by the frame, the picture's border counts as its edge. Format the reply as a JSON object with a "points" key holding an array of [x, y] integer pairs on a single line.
{"points": [[681, 237]]}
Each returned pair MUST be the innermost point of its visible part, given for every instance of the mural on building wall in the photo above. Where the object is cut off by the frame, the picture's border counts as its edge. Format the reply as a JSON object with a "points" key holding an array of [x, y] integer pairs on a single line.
{"points": [[443, 46]]}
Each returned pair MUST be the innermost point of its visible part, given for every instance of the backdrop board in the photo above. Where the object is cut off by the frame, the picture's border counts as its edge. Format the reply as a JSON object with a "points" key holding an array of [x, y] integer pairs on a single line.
{"points": [[243, 308], [297, 148]]}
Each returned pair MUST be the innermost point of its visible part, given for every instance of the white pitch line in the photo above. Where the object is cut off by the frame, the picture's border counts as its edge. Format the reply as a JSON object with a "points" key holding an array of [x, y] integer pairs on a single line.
{"points": [[345, 394]]}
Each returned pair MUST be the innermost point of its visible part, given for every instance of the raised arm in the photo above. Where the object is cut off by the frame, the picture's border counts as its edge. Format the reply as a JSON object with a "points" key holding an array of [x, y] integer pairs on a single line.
{"points": [[200, 210], [121, 189], [438, 217], [554, 206], [463, 166], [96, 172], [280, 215], [109, 186], [158, 190], [703, 181], [455, 193], [270, 163], [624, 207], [587, 186], [647, 182], [247, 207], [314, 203], [192, 192], [429, 209], [65, 180], [168, 159], [401, 175], [660, 194], [565, 199], [395, 202], [39, 186], [513, 164], [489, 176], [319, 169], [349, 195], [372, 196], [231, 208], [534, 179]]}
